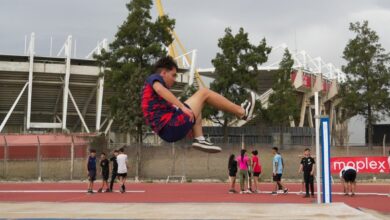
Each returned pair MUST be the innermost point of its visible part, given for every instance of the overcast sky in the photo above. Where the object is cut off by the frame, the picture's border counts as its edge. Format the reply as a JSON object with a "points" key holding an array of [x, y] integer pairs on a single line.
{"points": [[319, 27]]}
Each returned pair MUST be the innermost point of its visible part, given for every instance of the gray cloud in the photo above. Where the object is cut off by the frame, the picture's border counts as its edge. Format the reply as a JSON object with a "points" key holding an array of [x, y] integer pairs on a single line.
{"points": [[88, 21], [320, 27]]}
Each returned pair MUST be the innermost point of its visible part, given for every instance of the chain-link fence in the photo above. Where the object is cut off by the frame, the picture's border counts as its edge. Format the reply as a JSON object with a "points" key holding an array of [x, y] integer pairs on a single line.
{"points": [[248, 135], [60, 158], [42, 156]]}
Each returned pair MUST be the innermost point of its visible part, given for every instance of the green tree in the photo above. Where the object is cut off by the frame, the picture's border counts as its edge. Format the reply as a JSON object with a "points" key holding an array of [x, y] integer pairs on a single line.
{"points": [[283, 106], [235, 71], [366, 89], [138, 43]]}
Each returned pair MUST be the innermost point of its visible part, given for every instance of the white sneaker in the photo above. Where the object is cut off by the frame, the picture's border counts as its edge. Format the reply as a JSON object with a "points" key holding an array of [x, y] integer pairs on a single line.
{"points": [[248, 105], [206, 146]]}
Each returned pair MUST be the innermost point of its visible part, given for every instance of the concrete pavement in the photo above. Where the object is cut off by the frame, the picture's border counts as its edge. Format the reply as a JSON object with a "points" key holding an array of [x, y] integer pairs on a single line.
{"points": [[15, 210]]}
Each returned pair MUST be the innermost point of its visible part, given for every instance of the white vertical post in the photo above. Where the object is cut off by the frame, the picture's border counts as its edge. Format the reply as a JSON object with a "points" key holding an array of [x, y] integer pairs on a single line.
{"points": [[71, 157], [384, 146], [30, 78], [326, 177], [317, 127], [100, 90], [39, 161], [68, 50], [99, 102], [192, 69]]}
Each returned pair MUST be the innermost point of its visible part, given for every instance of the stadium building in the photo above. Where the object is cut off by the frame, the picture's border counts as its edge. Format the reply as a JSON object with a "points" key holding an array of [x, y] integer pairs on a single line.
{"points": [[64, 94]]}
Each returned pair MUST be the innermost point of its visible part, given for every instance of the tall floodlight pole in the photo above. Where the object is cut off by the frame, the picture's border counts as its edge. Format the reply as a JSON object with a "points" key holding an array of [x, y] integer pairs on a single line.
{"points": [[318, 156]]}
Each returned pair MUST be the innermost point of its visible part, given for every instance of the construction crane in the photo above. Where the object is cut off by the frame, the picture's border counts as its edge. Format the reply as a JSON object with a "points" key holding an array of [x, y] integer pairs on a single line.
{"points": [[176, 44]]}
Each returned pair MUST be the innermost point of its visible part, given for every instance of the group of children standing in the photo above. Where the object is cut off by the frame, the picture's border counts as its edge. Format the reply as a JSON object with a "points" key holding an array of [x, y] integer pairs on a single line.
{"points": [[249, 170], [119, 169], [248, 167]]}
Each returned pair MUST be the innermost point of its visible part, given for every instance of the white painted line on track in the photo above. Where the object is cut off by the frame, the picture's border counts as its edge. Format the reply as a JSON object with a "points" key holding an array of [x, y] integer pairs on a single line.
{"points": [[143, 191], [63, 191], [333, 193]]}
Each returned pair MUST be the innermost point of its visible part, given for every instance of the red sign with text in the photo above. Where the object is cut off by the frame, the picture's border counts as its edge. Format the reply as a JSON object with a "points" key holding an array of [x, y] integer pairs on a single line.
{"points": [[361, 164]]}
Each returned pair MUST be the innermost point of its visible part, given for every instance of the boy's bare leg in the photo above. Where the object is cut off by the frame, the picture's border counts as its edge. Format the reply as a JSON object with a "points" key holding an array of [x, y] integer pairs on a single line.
{"points": [[256, 181], [197, 128], [345, 187], [203, 95], [89, 185], [198, 101]]}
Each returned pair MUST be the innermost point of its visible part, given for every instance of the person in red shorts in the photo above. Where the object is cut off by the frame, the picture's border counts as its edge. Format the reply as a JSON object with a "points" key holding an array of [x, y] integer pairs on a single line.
{"points": [[256, 167], [172, 119]]}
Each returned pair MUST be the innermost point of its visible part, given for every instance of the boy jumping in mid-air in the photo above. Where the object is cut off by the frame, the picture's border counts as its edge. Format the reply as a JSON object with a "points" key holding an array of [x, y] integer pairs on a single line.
{"points": [[171, 119]]}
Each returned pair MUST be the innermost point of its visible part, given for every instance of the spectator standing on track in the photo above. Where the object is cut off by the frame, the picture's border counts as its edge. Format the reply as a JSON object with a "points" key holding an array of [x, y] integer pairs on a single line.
{"points": [[244, 163], [256, 167], [232, 167], [91, 169], [307, 166], [277, 171], [122, 169], [105, 172], [348, 179], [114, 171]]}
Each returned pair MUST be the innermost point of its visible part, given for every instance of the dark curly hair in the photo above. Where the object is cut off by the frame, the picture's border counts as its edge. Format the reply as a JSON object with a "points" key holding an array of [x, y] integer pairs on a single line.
{"points": [[166, 62]]}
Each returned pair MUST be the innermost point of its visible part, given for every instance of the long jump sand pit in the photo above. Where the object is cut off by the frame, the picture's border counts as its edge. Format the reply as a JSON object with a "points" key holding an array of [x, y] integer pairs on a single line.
{"points": [[69, 210]]}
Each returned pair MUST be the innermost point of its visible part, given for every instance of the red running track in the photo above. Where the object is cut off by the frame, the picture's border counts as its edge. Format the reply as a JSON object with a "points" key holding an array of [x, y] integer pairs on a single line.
{"points": [[187, 192]]}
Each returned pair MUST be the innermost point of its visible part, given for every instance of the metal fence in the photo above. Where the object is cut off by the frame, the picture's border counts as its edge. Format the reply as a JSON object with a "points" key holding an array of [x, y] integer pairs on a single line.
{"points": [[250, 135], [255, 135], [37, 152]]}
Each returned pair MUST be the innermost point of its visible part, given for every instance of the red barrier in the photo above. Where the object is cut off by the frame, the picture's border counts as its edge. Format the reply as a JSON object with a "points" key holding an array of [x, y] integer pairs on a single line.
{"points": [[24, 147], [361, 164], [307, 79]]}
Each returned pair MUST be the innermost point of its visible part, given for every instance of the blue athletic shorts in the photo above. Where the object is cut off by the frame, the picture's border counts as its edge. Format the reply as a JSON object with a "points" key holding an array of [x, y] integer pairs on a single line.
{"points": [[178, 127], [92, 175]]}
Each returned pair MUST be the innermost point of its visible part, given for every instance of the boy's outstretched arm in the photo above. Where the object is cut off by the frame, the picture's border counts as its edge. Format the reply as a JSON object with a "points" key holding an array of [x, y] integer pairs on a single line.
{"points": [[168, 96]]}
